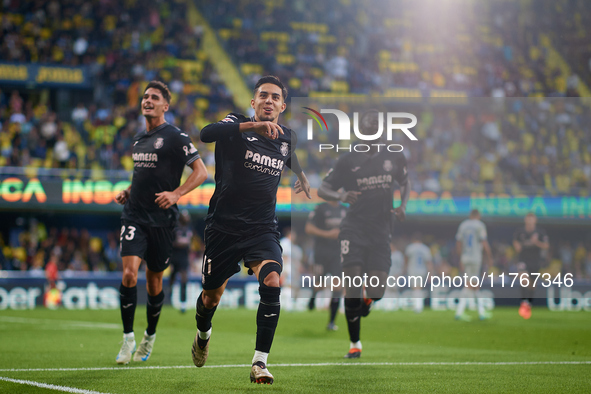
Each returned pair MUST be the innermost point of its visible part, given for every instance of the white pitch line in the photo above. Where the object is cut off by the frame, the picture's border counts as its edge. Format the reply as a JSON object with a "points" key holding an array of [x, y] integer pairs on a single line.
{"points": [[51, 386], [344, 364], [61, 323]]}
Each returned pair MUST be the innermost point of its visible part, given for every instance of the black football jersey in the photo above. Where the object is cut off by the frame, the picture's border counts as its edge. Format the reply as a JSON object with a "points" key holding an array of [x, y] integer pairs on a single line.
{"points": [[529, 251], [248, 170], [375, 176], [159, 158], [327, 217]]}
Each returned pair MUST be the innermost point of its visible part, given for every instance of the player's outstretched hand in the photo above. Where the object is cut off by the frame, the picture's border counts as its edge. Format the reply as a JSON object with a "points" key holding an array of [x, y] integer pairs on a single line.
{"points": [[350, 197], [400, 214], [302, 185], [268, 129], [122, 196], [166, 200]]}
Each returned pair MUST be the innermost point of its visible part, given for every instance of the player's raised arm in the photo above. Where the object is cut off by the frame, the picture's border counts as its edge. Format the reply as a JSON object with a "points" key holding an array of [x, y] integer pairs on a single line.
{"points": [[216, 131]]}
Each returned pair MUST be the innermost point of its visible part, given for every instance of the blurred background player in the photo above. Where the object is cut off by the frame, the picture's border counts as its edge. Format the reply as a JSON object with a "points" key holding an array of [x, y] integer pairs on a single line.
{"points": [[180, 256], [367, 228], [419, 262], [160, 154], [471, 239], [323, 223], [530, 242]]}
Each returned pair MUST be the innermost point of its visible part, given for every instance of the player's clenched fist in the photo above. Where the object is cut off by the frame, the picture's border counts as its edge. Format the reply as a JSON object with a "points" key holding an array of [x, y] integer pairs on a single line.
{"points": [[268, 129], [122, 197]]}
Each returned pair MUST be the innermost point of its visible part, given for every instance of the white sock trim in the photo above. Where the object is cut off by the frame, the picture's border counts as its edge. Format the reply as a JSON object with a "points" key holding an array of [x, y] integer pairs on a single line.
{"points": [[260, 356], [356, 345], [128, 335], [204, 335]]}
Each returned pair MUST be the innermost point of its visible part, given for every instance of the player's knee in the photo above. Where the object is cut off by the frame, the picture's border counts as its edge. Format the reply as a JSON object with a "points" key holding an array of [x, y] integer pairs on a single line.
{"points": [[210, 301], [269, 274], [272, 280], [129, 278]]}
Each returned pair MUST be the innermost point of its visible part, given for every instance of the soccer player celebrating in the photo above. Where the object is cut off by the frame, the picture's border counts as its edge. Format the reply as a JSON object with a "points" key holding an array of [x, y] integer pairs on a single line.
{"points": [[366, 230], [159, 155], [323, 223], [241, 224], [529, 242], [471, 239]]}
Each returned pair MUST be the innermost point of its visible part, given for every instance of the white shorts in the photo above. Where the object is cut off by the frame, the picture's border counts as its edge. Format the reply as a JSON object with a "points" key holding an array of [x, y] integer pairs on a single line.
{"points": [[471, 266]]}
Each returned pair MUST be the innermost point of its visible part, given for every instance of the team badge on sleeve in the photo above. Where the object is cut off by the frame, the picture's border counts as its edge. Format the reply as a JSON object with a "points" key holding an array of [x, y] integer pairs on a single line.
{"points": [[284, 148], [228, 119], [189, 149]]}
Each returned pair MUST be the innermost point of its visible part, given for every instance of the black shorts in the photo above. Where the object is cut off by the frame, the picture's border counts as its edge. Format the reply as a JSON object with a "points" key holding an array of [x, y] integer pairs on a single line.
{"points": [[224, 251], [153, 244], [372, 257], [330, 263]]}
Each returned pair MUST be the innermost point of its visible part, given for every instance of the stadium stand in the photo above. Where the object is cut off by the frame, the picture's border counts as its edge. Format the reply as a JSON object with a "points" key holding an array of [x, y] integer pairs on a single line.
{"points": [[354, 47]]}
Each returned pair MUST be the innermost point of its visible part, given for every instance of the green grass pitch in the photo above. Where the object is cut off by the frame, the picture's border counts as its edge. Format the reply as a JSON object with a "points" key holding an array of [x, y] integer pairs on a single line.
{"points": [[402, 352]]}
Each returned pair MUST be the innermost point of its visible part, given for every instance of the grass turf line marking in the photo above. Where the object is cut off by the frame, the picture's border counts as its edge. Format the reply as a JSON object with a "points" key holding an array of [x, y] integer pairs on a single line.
{"points": [[61, 323], [401, 364], [50, 386]]}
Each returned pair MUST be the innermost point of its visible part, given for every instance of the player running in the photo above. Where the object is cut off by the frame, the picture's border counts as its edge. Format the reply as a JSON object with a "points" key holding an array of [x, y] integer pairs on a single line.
{"points": [[323, 223], [368, 180], [180, 256], [529, 241], [241, 224], [471, 240], [160, 155], [418, 263]]}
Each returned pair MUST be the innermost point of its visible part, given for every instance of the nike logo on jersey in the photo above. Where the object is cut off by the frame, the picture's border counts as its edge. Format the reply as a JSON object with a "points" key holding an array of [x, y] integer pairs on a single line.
{"points": [[184, 134], [271, 315], [355, 169], [252, 139], [135, 143]]}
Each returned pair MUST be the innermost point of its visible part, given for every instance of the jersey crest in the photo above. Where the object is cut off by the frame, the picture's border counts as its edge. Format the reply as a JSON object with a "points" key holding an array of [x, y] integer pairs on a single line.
{"points": [[388, 165], [284, 148], [159, 143]]}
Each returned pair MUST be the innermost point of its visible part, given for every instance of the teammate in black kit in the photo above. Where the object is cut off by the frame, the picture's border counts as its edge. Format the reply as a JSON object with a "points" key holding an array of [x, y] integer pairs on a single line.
{"points": [[159, 155], [323, 223], [529, 242], [250, 154], [180, 255], [368, 182]]}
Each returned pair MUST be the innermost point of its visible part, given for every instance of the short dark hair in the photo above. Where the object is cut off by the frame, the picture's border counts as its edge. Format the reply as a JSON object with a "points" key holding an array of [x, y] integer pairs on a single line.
{"points": [[275, 81], [160, 86], [474, 212]]}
